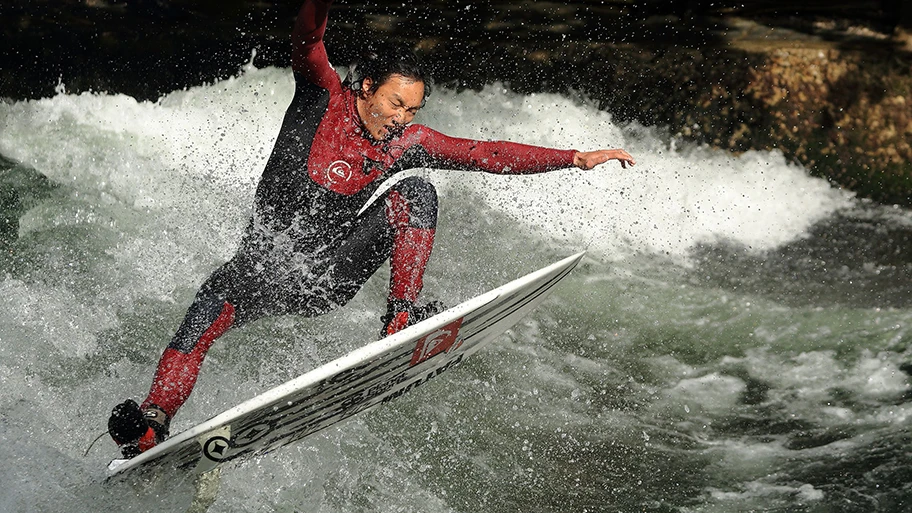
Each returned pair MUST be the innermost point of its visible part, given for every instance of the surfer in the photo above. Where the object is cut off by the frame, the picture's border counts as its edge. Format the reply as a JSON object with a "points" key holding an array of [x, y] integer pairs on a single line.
{"points": [[308, 247]]}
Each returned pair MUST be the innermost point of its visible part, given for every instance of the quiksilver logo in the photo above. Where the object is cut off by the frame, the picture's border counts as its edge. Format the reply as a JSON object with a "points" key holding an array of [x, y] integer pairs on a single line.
{"points": [[434, 341], [440, 341], [338, 171]]}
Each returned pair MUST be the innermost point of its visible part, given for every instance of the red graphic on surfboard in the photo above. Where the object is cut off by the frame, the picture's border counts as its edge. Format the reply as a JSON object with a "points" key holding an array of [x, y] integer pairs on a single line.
{"points": [[440, 341]]}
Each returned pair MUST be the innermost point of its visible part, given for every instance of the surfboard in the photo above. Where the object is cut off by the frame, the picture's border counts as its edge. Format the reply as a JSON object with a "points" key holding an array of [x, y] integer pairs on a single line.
{"points": [[363, 379]]}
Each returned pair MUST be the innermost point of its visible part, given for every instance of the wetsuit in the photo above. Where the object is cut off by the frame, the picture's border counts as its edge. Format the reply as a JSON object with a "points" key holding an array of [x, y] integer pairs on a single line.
{"points": [[306, 249]]}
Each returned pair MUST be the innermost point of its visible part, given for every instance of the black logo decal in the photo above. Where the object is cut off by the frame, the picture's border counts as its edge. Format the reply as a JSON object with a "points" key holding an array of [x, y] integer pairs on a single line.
{"points": [[216, 448]]}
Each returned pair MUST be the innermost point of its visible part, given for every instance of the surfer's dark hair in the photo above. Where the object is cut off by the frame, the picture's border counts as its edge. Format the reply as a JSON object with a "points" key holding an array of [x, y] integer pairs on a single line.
{"points": [[382, 62]]}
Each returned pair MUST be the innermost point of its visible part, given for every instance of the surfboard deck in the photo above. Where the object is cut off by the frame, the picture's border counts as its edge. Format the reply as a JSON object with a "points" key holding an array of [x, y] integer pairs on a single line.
{"points": [[372, 375]]}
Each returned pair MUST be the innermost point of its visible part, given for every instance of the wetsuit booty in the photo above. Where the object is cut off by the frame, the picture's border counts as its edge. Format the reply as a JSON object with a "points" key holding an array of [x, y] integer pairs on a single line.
{"points": [[136, 430], [402, 314]]}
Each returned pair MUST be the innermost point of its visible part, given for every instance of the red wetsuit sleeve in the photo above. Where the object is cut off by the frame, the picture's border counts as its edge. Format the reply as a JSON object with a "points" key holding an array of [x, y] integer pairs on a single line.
{"points": [[501, 157], [308, 55]]}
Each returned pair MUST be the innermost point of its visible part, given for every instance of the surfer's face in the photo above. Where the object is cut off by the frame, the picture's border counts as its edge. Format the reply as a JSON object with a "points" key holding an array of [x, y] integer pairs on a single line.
{"points": [[386, 109]]}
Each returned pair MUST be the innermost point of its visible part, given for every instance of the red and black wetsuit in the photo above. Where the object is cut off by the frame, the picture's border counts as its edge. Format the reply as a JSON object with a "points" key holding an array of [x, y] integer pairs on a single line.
{"points": [[306, 249]]}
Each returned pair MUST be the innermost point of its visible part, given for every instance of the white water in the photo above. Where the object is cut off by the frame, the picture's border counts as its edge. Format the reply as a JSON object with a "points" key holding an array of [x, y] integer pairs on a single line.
{"points": [[625, 391]]}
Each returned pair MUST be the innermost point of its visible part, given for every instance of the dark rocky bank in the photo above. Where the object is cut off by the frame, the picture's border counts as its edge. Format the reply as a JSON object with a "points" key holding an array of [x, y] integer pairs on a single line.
{"points": [[828, 83]]}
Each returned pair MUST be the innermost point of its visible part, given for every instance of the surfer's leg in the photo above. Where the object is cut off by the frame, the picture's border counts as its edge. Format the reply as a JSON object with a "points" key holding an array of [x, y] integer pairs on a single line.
{"points": [[137, 428], [400, 226], [228, 298], [208, 318], [411, 211]]}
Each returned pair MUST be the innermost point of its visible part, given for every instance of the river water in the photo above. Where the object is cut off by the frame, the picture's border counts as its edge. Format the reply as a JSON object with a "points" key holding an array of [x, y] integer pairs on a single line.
{"points": [[735, 340]]}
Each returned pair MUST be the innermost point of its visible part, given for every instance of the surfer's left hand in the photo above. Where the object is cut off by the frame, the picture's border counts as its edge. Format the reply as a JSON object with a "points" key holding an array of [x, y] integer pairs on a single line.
{"points": [[590, 159]]}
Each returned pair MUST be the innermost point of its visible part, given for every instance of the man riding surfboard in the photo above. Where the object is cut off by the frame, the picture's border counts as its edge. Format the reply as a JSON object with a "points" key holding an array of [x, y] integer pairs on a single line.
{"points": [[307, 250]]}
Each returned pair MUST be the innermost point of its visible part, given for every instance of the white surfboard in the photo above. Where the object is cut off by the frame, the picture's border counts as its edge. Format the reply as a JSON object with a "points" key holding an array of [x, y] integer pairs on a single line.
{"points": [[369, 376]]}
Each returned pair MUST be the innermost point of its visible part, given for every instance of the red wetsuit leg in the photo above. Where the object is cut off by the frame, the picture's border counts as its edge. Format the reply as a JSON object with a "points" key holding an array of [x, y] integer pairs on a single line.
{"points": [[177, 371], [411, 252], [411, 249]]}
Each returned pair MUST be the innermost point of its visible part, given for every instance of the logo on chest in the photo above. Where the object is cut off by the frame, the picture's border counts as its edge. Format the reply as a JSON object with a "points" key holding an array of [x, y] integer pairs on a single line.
{"points": [[348, 176], [338, 171]]}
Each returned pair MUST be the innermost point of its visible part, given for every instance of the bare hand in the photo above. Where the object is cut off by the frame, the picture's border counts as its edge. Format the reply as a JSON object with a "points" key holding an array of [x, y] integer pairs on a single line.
{"points": [[590, 159]]}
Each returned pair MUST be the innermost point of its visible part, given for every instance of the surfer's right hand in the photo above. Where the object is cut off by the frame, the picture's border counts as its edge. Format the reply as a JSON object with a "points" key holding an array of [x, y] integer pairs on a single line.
{"points": [[590, 159]]}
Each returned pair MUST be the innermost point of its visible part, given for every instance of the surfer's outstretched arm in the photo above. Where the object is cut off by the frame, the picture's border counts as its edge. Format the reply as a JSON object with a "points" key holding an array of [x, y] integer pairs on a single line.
{"points": [[509, 158]]}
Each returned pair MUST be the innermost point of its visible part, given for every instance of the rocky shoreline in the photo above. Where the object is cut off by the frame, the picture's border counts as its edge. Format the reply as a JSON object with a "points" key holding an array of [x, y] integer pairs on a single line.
{"points": [[833, 95]]}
